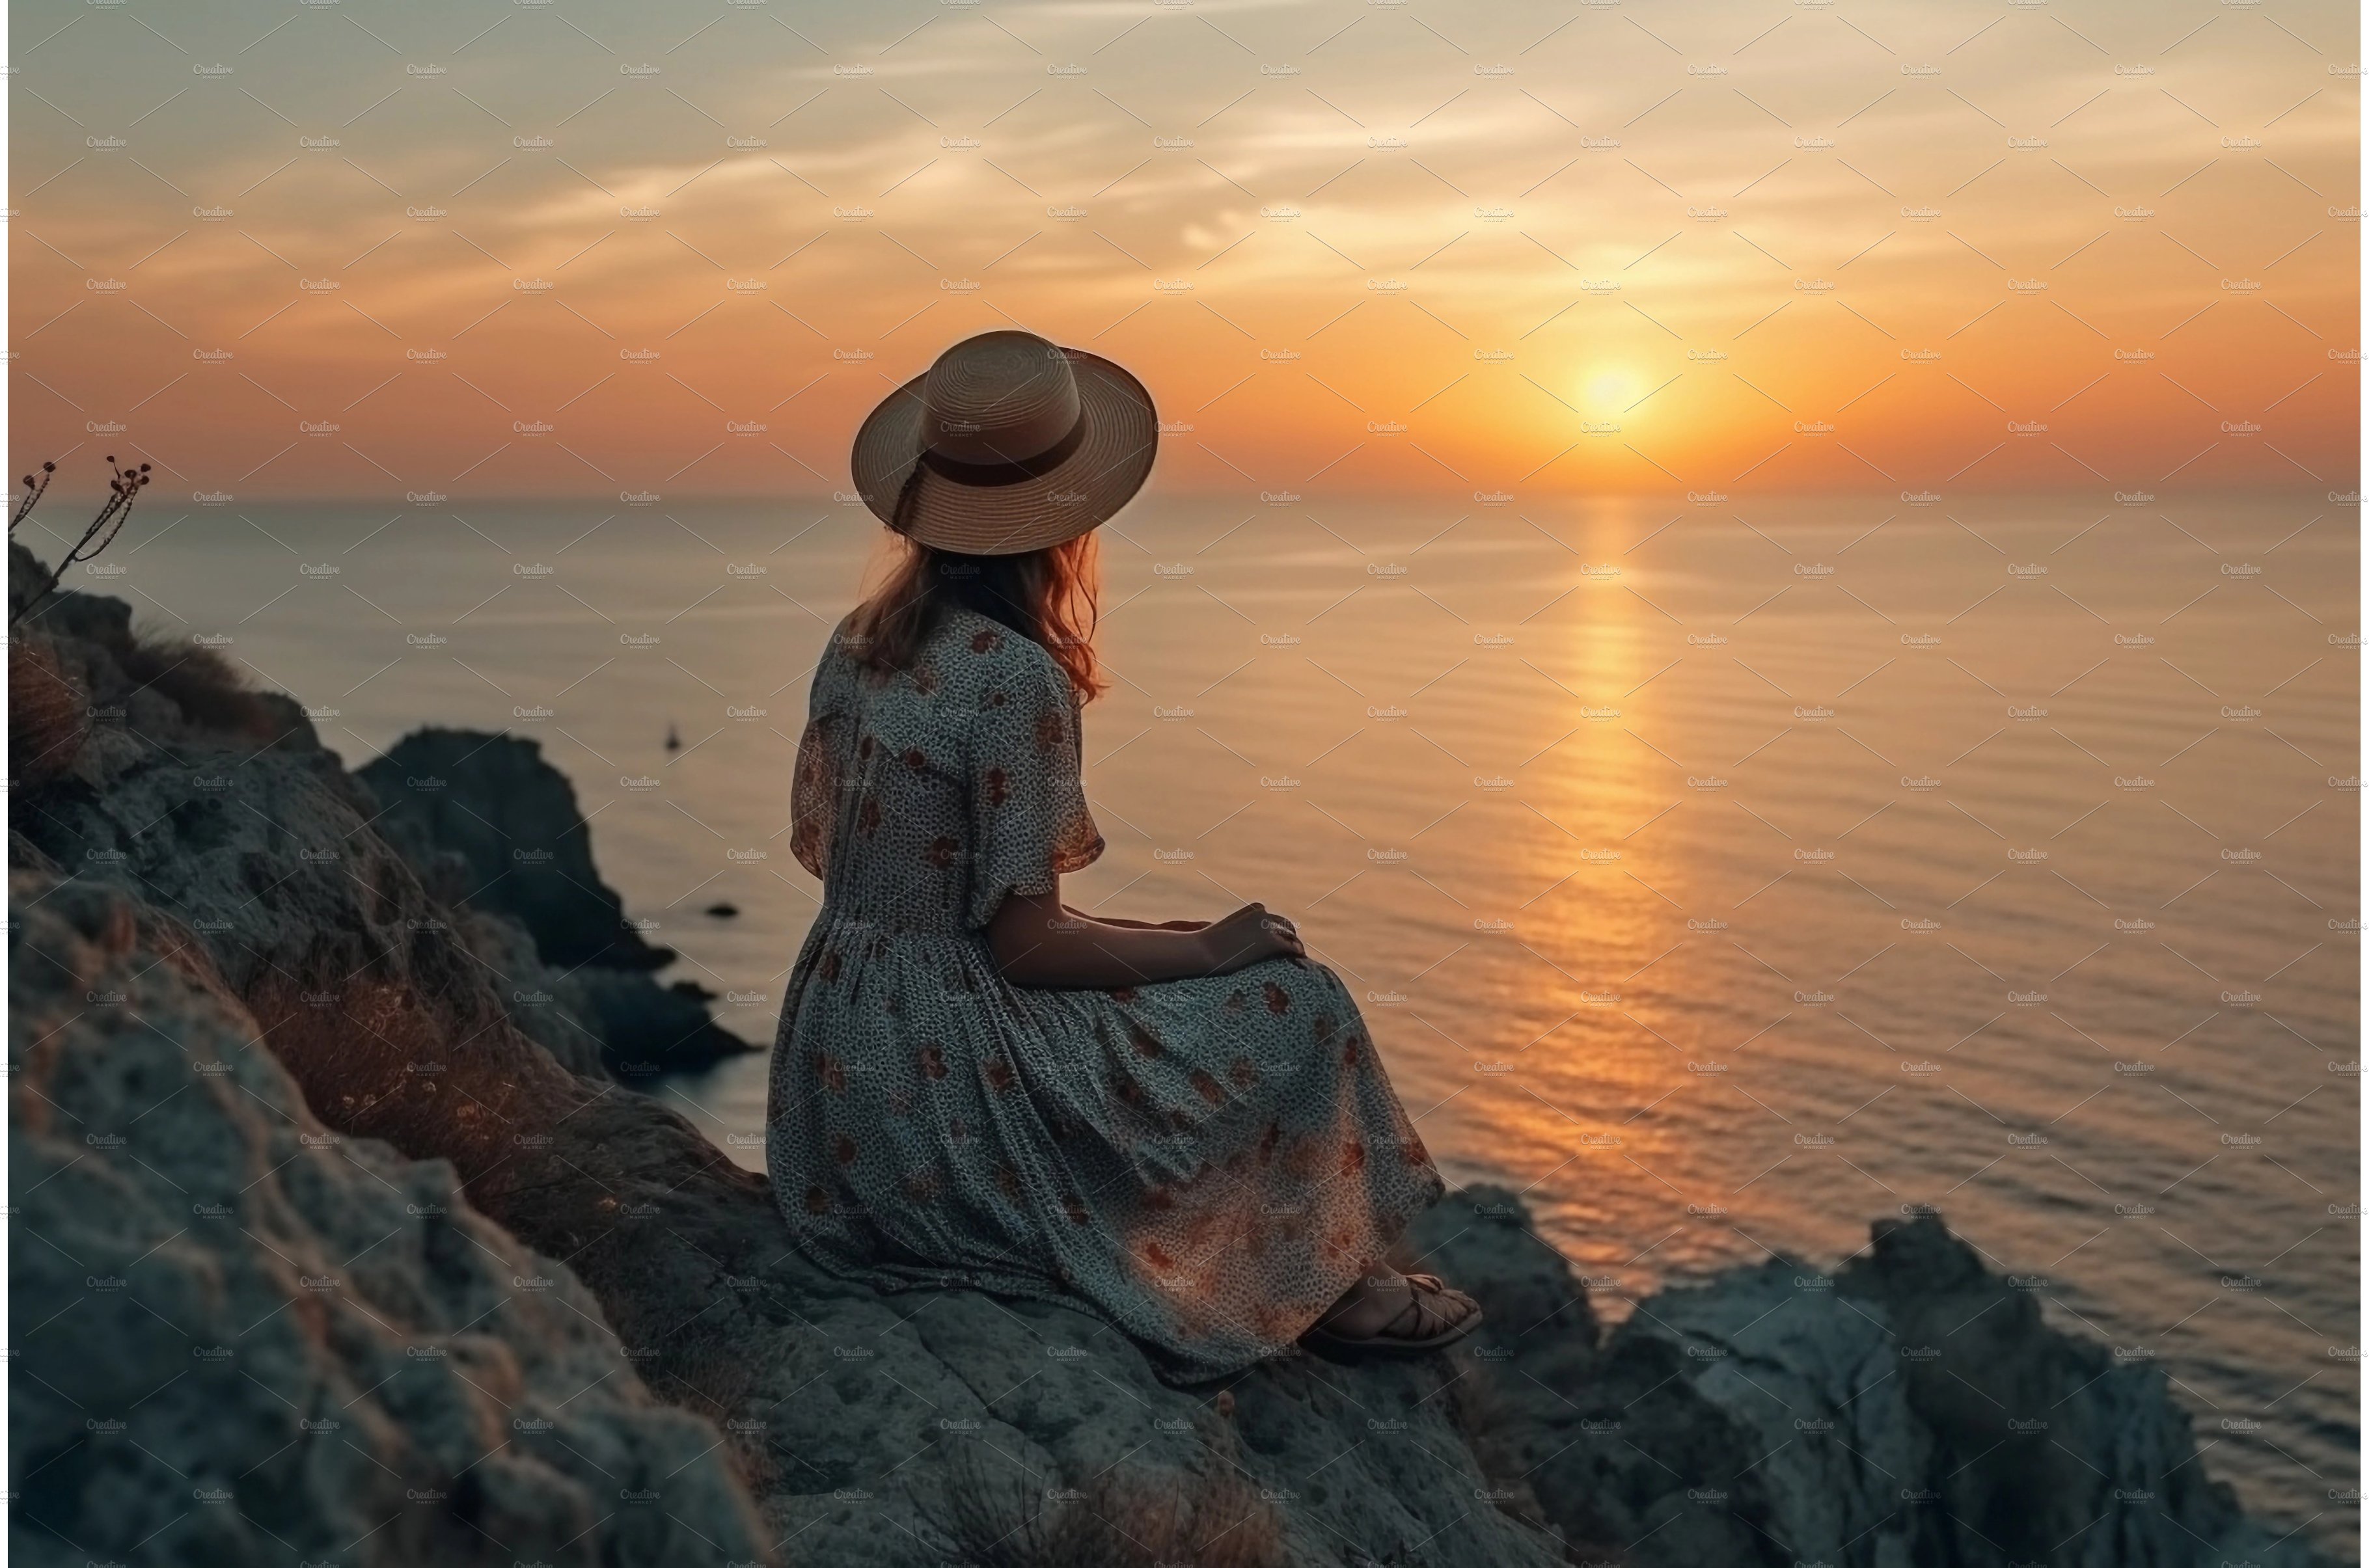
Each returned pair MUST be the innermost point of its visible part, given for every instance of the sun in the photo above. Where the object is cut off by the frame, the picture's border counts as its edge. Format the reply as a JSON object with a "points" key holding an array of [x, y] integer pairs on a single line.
{"points": [[1608, 389]]}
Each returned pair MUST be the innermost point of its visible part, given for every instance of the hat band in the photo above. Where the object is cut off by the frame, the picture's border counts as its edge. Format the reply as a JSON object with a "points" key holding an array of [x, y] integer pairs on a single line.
{"points": [[1013, 471]]}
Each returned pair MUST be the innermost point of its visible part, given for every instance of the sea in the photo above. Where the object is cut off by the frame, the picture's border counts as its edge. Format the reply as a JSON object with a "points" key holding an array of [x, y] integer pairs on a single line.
{"points": [[1721, 876]]}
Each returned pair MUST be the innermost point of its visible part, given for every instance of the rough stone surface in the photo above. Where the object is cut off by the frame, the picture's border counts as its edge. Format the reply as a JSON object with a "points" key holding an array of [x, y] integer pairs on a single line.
{"points": [[1911, 1409], [552, 1008], [240, 1337], [111, 722]]}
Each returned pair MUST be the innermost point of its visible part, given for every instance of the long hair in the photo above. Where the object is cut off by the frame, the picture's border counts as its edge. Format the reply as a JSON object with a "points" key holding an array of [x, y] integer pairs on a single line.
{"points": [[1048, 595]]}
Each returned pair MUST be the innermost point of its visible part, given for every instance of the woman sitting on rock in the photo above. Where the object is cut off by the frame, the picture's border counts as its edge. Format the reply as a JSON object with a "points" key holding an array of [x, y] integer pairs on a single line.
{"points": [[974, 1085]]}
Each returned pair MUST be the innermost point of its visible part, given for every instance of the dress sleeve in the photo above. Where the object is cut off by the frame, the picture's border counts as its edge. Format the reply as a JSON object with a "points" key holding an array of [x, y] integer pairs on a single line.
{"points": [[820, 781], [1028, 818]]}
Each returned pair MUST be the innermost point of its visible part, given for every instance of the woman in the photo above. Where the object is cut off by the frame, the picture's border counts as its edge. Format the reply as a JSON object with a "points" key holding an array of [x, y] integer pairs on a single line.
{"points": [[974, 1085]]}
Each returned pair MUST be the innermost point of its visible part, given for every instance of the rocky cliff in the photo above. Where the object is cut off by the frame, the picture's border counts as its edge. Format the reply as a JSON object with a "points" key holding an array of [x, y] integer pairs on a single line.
{"points": [[242, 1338], [288, 1154], [494, 828], [162, 760]]}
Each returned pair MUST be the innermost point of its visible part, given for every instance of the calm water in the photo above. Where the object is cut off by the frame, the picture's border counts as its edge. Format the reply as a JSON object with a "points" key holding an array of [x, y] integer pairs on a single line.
{"points": [[1721, 877]]}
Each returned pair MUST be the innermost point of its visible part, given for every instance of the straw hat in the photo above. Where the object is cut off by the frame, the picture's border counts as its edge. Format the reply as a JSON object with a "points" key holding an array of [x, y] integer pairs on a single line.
{"points": [[1007, 444]]}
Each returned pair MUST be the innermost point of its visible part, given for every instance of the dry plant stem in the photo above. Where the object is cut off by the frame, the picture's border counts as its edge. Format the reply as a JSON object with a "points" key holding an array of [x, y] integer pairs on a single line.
{"points": [[124, 489], [33, 492]]}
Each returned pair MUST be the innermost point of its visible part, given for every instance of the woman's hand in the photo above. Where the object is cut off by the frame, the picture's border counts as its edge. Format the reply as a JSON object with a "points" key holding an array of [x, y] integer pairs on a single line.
{"points": [[1251, 934], [1036, 940]]}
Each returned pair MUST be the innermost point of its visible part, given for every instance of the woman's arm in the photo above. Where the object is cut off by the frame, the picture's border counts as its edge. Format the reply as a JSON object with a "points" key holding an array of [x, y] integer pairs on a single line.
{"points": [[1038, 942], [1077, 913]]}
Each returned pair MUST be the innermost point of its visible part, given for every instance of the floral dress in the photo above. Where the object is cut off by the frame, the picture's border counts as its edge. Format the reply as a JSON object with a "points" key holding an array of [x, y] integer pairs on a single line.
{"points": [[1208, 1164]]}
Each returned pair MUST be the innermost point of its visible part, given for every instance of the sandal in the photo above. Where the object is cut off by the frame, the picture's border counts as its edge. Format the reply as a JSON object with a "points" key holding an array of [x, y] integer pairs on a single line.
{"points": [[1404, 1334]]}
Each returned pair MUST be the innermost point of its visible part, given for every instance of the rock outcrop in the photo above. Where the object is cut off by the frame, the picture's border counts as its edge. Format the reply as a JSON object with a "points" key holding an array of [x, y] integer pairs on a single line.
{"points": [[930, 1427], [241, 1337], [158, 739], [494, 825], [525, 850], [1908, 1410]]}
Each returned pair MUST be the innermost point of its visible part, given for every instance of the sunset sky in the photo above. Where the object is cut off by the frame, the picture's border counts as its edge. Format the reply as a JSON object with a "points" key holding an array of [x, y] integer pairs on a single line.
{"points": [[371, 250]]}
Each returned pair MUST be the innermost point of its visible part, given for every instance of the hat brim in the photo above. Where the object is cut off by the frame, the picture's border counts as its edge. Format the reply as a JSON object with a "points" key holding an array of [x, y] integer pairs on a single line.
{"points": [[1112, 460]]}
